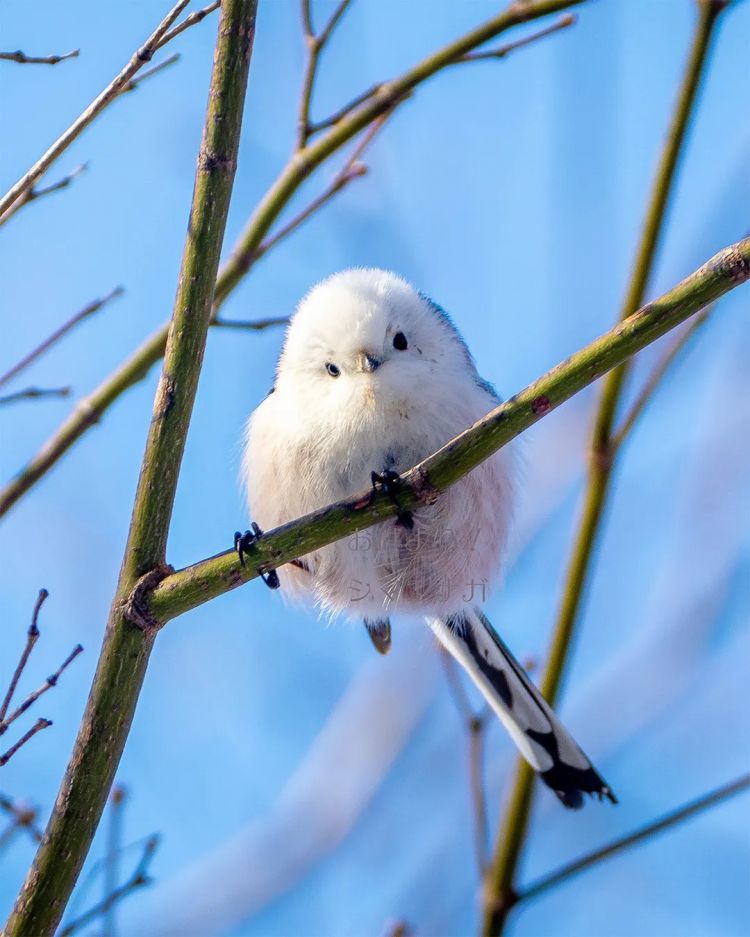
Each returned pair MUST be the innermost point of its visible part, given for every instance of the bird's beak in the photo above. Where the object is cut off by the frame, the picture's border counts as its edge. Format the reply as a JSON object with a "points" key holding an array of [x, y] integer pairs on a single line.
{"points": [[366, 362]]}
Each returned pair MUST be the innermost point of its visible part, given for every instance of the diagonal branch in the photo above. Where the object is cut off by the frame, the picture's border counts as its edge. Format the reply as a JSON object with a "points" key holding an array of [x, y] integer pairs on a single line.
{"points": [[90, 409], [499, 886], [647, 832], [126, 650], [502, 51], [31, 195], [88, 310], [197, 584]]}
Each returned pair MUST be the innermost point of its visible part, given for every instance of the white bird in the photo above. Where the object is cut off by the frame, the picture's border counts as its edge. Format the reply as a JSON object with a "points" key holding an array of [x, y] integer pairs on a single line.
{"points": [[373, 377]]}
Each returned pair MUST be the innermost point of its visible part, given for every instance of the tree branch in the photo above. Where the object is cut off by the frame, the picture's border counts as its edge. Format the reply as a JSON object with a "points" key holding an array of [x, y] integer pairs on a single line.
{"points": [[34, 393], [24, 59], [31, 195], [90, 409], [499, 886], [48, 342], [197, 584], [126, 649], [500, 53], [674, 818]]}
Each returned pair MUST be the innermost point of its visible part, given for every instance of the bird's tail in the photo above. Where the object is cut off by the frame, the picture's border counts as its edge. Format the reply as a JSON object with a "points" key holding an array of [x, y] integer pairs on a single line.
{"points": [[540, 736]]}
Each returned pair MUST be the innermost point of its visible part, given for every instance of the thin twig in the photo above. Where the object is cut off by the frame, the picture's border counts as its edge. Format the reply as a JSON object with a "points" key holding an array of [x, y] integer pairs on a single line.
{"points": [[37, 727], [32, 636], [34, 393], [647, 392], [511, 833], [138, 879], [315, 45], [252, 325], [24, 59], [669, 820], [474, 723], [35, 193], [344, 111], [149, 72], [50, 682], [563, 23], [87, 311], [351, 170], [188, 22], [112, 91]]}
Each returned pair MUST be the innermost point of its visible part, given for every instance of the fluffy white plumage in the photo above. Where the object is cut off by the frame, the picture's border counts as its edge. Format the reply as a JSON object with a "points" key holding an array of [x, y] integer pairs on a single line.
{"points": [[373, 376]]}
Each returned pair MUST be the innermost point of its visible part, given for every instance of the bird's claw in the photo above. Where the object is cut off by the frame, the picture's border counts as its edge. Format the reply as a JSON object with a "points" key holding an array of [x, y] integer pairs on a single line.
{"points": [[242, 545], [389, 482]]}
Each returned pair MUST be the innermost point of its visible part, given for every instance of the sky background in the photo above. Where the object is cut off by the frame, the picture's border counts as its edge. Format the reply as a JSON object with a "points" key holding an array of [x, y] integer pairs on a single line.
{"points": [[301, 784]]}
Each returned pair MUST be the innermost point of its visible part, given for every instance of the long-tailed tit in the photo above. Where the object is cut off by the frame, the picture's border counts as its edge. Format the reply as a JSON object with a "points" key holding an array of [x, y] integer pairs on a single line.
{"points": [[374, 377]]}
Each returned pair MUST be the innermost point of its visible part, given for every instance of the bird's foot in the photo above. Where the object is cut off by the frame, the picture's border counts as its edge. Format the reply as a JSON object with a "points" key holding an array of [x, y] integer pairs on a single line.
{"points": [[389, 482], [242, 544]]}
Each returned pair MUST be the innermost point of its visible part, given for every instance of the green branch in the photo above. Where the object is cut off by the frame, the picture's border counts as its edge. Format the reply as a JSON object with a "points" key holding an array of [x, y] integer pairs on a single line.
{"points": [[245, 253], [190, 587], [126, 650], [499, 886]]}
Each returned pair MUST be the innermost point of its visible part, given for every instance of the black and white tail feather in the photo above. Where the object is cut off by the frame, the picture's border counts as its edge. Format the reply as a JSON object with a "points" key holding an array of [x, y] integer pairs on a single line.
{"points": [[540, 736]]}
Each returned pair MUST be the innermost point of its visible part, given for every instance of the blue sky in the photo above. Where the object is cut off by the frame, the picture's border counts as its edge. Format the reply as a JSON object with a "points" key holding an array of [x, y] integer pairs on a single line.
{"points": [[512, 192]]}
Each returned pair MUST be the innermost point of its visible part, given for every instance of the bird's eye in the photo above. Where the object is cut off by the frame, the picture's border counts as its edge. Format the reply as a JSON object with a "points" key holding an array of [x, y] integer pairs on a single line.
{"points": [[332, 369], [399, 342]]}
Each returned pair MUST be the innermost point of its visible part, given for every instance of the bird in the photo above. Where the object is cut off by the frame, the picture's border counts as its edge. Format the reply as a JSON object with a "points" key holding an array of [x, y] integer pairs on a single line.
{"points": [[373, 377]]}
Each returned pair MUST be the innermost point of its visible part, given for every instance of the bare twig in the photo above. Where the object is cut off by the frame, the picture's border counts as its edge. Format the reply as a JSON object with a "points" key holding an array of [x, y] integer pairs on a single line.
{"points": [[474, 723], [113, 89], [149, 72], [35, 193], [138, 879], [34, 393], [352, 169], [666, 822], [24, 59], [251, 325], [32, 636], [563, 23], [87, 311], [658, 374], [37, 727], [315, 45], [188, 22], [50, 682]]}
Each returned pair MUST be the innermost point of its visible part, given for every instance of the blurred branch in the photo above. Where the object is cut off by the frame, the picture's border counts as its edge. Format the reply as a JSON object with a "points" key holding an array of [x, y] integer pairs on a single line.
{"points": [[105, 98], [34, 393], [90, 409], [190, 587], [87, 311], [656, 377], [138, 879], [669, 820], [563, 23], [315, 45], [126, 650], [511, 834], [251, 325], [149, 72], [24, 59], [31, 195], [474, 724], [23, 817]]}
